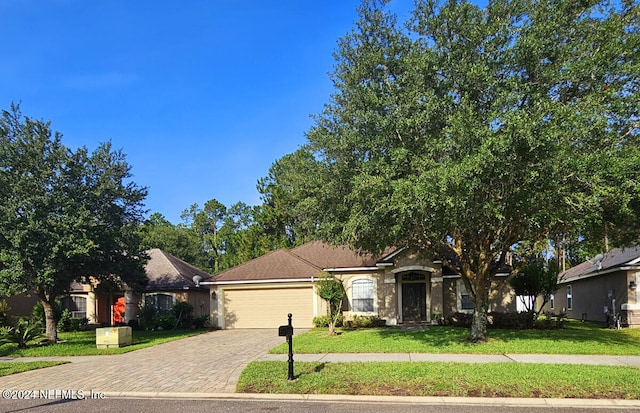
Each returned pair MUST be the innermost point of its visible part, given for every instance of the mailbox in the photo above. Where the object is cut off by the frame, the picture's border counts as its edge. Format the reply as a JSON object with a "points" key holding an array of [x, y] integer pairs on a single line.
{"points": [[285, 331]]}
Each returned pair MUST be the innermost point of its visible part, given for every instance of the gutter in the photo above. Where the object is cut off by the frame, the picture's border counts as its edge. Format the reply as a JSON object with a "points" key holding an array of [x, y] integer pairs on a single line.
{"points": [[278, 280], [597, 273]]}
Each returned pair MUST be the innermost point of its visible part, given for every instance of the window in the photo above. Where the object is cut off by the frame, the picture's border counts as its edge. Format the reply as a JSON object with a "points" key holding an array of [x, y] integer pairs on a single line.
{"points": [[77, 305], [362, 294], [466, 302], [569, 297], [552, 301], [162, 302]]}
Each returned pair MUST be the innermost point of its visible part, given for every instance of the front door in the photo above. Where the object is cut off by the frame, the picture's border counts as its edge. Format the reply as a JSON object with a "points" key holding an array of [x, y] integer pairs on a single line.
{"points": [[414, 302]]}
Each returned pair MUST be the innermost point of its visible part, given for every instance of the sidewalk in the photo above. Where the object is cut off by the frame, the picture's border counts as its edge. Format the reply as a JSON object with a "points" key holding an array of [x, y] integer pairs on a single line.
{"points": [[631, 361]]}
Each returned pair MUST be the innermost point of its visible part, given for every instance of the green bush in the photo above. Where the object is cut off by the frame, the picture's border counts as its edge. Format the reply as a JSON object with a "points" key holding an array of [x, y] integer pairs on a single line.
{"points": [[148, 315], [512, 321], [64, 323], [459, 320], [365, 322], [4, 313], [21, 333], [166, 321], [183, 312], [201, 322], [323, 321], [37, 315]]}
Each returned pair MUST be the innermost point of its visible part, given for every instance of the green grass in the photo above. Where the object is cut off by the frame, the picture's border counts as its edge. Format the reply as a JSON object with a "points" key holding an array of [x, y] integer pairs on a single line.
{"points": [[444, 379], [83, 343], [14, 367], [577, 338]]}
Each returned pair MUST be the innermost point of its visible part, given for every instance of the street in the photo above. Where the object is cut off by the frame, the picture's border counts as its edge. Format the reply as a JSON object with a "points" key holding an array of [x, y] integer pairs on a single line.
{"points": [[281, 406]]}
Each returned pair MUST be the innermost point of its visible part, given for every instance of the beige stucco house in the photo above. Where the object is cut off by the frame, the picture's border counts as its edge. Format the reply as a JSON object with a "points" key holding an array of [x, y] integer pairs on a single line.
{"points": [[169, 280], [599, 288], [399, 287]]}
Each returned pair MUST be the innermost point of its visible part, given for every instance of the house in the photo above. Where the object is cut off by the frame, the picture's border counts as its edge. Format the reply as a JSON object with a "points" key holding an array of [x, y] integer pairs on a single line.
{"points": [[599, 288], [169, 280], [399, 286]]}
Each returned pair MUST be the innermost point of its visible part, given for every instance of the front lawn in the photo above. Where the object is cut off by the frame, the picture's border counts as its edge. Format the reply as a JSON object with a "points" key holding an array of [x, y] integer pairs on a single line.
{"points": [[576, 338], [83, 343], [7, 368], [444, 379]]}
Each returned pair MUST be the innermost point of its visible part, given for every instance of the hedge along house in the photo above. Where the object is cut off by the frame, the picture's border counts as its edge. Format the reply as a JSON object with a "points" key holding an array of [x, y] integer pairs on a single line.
{"points": [[597, 289], [399, 287], [169, 280]]}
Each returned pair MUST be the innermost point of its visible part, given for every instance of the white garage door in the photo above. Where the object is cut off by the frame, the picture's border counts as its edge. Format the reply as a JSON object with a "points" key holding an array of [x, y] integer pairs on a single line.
{"points": [[268, 308]]}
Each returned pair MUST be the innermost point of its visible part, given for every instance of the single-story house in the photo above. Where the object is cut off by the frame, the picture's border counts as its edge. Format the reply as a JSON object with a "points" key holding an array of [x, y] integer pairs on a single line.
{"points": [[599, 288], [169, 280], [399, 287]]}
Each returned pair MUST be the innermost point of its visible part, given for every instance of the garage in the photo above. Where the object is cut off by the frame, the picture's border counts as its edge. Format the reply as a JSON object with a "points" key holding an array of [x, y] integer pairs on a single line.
{"points": [[268, 307]]}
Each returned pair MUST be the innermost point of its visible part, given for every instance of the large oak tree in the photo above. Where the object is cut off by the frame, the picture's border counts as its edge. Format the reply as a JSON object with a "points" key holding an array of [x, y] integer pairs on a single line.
{"points": [[65, 215], [466, 131]]}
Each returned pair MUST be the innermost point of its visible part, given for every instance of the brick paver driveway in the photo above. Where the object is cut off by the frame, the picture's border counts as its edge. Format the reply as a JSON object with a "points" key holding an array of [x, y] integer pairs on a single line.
{"points": [[207, 363]]}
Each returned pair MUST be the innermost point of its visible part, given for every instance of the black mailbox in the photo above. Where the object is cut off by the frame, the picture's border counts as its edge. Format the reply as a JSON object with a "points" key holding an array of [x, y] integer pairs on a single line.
{"points": [[285, 331]]}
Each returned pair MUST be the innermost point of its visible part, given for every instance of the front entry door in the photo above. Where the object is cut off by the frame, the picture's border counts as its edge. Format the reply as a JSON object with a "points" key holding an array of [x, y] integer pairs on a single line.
{"points": [[414, 302]]}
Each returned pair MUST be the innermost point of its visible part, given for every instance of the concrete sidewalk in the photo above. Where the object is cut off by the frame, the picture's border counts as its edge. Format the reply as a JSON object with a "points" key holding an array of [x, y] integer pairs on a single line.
{"points": [[631, 361]]}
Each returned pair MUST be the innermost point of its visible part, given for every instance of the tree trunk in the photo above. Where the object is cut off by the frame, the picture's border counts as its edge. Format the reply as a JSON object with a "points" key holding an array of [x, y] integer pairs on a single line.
{"points": [[50, 322], [478, 331]]}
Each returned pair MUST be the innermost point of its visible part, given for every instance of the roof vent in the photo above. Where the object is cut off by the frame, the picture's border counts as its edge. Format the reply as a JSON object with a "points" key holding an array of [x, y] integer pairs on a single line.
{"points": [[597, 260], [196, 280]]}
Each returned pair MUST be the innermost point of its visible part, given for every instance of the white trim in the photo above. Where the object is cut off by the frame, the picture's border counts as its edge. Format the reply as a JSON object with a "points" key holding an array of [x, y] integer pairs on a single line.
{"points": [[633, 307], [597, 273], [393, 254], [349, 291], [413, 268], [291, 280], [352, 269], [385, 264]]}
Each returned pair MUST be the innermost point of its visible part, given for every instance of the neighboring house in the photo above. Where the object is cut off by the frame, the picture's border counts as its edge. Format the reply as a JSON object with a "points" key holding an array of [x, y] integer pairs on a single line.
{"points": [[599, 288], [169, 280], [399, 287]]}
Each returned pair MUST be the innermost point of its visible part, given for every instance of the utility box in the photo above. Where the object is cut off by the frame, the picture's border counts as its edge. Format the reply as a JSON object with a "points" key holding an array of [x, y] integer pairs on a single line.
{"points": [[113, 337]]}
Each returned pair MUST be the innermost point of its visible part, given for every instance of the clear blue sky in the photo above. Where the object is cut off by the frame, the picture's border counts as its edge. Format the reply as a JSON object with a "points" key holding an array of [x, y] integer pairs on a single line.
{"points": [[202, 95]]}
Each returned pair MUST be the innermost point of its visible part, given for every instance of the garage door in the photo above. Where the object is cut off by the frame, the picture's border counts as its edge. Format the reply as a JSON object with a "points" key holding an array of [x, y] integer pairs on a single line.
{"points": [[268, 308]]}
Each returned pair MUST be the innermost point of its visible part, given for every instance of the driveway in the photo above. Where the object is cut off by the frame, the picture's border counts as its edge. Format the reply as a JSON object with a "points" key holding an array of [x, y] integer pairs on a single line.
{"points": [[206, 363]]}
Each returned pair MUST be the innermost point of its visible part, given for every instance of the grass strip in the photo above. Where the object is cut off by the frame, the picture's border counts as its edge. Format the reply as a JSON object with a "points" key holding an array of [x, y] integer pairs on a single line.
{"points": [[13, 367], [83, 343], [577, 338], [444, 379]]}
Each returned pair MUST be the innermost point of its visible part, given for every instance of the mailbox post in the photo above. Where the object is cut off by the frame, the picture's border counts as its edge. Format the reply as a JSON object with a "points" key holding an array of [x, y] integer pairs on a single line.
{"points": [[287, 331]]}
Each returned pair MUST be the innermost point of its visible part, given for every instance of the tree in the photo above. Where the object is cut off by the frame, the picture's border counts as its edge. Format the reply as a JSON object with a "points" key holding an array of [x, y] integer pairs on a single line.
{"points": [[538, 278], [331, 290], [66, 216], [177, 240], [469, 131]]}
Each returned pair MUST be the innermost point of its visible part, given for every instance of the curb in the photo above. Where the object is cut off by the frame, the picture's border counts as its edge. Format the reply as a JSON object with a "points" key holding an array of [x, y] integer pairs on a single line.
{"points": [[422, 400]]}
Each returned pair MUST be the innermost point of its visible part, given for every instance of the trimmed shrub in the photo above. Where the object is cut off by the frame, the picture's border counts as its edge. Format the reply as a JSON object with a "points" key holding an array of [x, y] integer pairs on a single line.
{"points": [[323, 321], [365, 322]]}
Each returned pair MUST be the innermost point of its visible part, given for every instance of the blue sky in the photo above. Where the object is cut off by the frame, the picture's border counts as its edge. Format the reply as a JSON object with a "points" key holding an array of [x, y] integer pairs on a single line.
{"points": [[202, 95]]}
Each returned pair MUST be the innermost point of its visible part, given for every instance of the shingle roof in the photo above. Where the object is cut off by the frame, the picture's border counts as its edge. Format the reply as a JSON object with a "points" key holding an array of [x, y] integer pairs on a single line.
{"points": [[617, 257], [166, 272], [305, 261]]}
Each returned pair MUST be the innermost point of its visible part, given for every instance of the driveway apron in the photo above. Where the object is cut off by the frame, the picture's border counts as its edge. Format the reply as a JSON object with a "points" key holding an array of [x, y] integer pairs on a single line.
{"points": [[206, 363]]}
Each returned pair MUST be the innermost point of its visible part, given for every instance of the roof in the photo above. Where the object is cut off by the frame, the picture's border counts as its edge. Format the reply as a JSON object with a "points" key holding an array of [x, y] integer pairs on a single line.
{"points": [[166, 272], [616, 258], [303, 262]]}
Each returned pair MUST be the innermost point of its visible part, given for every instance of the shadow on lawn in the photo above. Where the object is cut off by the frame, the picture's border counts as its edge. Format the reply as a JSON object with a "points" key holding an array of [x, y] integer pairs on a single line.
{"points": [[436, 336]]}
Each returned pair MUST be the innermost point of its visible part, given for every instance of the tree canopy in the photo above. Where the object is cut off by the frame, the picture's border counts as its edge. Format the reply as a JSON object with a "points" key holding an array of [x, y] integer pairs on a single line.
{"points": [[65, 215], [467, 131]]}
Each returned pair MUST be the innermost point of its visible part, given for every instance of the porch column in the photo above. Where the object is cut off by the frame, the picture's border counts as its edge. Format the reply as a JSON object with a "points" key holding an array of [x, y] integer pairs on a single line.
{"points": [[91, 308], [130, 307]]}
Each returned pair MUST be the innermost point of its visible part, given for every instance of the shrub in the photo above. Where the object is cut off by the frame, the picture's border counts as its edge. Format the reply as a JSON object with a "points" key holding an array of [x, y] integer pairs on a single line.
{"points": [[552, 321], [513, 321], [323, 321], [201, 322], [166, 321], [183, 313], [4, 312], [365, 322], [459, 320], [21, 333], [64, 322], [37, 315], [148, 315]]}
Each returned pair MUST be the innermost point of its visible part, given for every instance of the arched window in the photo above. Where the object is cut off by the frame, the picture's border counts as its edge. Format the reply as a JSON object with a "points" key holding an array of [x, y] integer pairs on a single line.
{"points": [[162, 302], [76, 304], [362, 296]]}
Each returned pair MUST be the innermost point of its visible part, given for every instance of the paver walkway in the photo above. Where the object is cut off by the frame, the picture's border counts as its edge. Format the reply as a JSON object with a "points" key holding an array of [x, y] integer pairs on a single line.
{"points": [[206, 363]]}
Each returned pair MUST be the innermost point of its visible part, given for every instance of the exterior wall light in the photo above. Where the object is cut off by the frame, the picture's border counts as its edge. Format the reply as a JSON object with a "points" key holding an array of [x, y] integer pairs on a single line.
{"points": [[633, 285]]}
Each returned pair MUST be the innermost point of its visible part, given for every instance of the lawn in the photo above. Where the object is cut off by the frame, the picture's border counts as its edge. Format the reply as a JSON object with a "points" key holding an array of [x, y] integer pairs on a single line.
{"points": [[7, 368], [576, 338], [83, 343], [444, 379], [455, 379]]}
